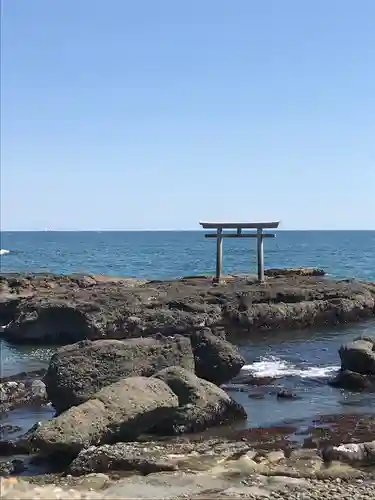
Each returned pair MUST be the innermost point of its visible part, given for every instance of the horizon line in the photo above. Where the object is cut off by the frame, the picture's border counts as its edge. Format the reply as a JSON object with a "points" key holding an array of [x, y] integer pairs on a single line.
{"points": [[197, 230]]}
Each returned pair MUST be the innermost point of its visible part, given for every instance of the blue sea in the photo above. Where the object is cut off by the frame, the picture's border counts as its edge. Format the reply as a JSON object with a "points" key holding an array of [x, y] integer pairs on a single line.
{"points": [[169, 254], [302, 361]]}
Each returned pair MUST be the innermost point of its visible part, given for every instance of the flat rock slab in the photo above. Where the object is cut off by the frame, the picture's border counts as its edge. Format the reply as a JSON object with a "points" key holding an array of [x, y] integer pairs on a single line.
{"points": [[66, 309], [221, 458]]}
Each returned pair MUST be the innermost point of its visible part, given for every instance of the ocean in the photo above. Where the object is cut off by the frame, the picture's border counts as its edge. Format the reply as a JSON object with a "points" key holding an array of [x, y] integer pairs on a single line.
{"points": [[301, 361]]}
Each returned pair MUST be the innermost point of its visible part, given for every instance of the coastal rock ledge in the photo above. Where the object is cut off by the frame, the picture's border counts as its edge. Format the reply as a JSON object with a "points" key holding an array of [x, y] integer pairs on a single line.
{"points": [[67, 309]]}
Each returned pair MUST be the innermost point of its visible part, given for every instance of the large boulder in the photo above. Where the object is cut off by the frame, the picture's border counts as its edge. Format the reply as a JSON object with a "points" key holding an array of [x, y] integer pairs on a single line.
{"points": [[216, 360], [201, 404], [119, 412], [78, 371], [359, 356]]}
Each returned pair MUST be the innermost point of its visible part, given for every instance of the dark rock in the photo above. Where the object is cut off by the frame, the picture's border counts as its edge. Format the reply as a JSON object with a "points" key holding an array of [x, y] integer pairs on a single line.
{"points": [[353, 381], [119, 456], [21, 445], [10, 467], [9, 429], [153, 456], [302, 271], [286, 394], [216, 360], [201, 404], [118, 412], [10, 447], [78, 371], [25, 376], [66, 309], [359, 356], [256, 395]]}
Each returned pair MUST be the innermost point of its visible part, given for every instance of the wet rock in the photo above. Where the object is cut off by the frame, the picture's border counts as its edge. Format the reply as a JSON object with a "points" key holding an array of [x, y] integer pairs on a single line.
{"points": [[78, 371], [201, 404], [353, 381], [9, 429], [216, 360], [118, 412], [10, 447], [10, 467], [22, 444], [359, 356], [286, 394], [23, 389]]}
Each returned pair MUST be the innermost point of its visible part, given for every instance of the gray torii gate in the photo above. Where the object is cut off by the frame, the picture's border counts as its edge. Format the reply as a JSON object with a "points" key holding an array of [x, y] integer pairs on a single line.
{"points": [[239, 227]]}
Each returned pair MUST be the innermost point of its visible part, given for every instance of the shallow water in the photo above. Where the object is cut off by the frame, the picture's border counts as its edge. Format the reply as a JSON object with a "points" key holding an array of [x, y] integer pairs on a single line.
{"points": [[299, 361]]}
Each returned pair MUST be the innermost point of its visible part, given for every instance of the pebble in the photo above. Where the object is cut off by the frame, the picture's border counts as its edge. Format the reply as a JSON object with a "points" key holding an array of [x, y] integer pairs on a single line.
{"points": [[16, 489]]}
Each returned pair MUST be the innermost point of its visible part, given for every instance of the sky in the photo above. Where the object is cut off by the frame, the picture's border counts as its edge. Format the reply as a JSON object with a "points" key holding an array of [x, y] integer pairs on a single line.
{"points": [[147, 114]]}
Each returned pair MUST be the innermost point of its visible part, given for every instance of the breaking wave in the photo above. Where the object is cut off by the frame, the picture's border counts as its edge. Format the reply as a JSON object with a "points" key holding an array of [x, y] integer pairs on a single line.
{"points": [[274, 367]]}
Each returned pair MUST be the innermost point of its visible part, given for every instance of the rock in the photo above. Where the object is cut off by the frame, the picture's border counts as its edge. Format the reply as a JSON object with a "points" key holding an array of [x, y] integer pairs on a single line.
{"points": [[9, 429], [10, 467], [78, 371], [286, 394], [359, 356], [120, 456], [216, 360], [22, 444], [152, 456], [65, 309], [38, 390], [353, 381], [302, 271], [201, 404], [271, 457], [23, 389], [118, 412], [363, 453]]}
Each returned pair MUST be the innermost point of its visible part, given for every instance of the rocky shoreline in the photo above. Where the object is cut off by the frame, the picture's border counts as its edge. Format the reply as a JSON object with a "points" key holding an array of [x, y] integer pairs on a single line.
{"points": [[139, 373], [204, 471], [66, 309]]}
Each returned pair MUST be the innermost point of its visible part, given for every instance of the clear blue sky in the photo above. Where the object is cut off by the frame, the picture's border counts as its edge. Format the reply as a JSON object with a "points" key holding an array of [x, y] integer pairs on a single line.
{"points": [[135, 114]]}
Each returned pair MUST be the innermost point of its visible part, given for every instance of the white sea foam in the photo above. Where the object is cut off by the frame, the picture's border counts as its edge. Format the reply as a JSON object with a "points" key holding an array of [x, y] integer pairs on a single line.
{"points": [[272, 366], [3, 251]]}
